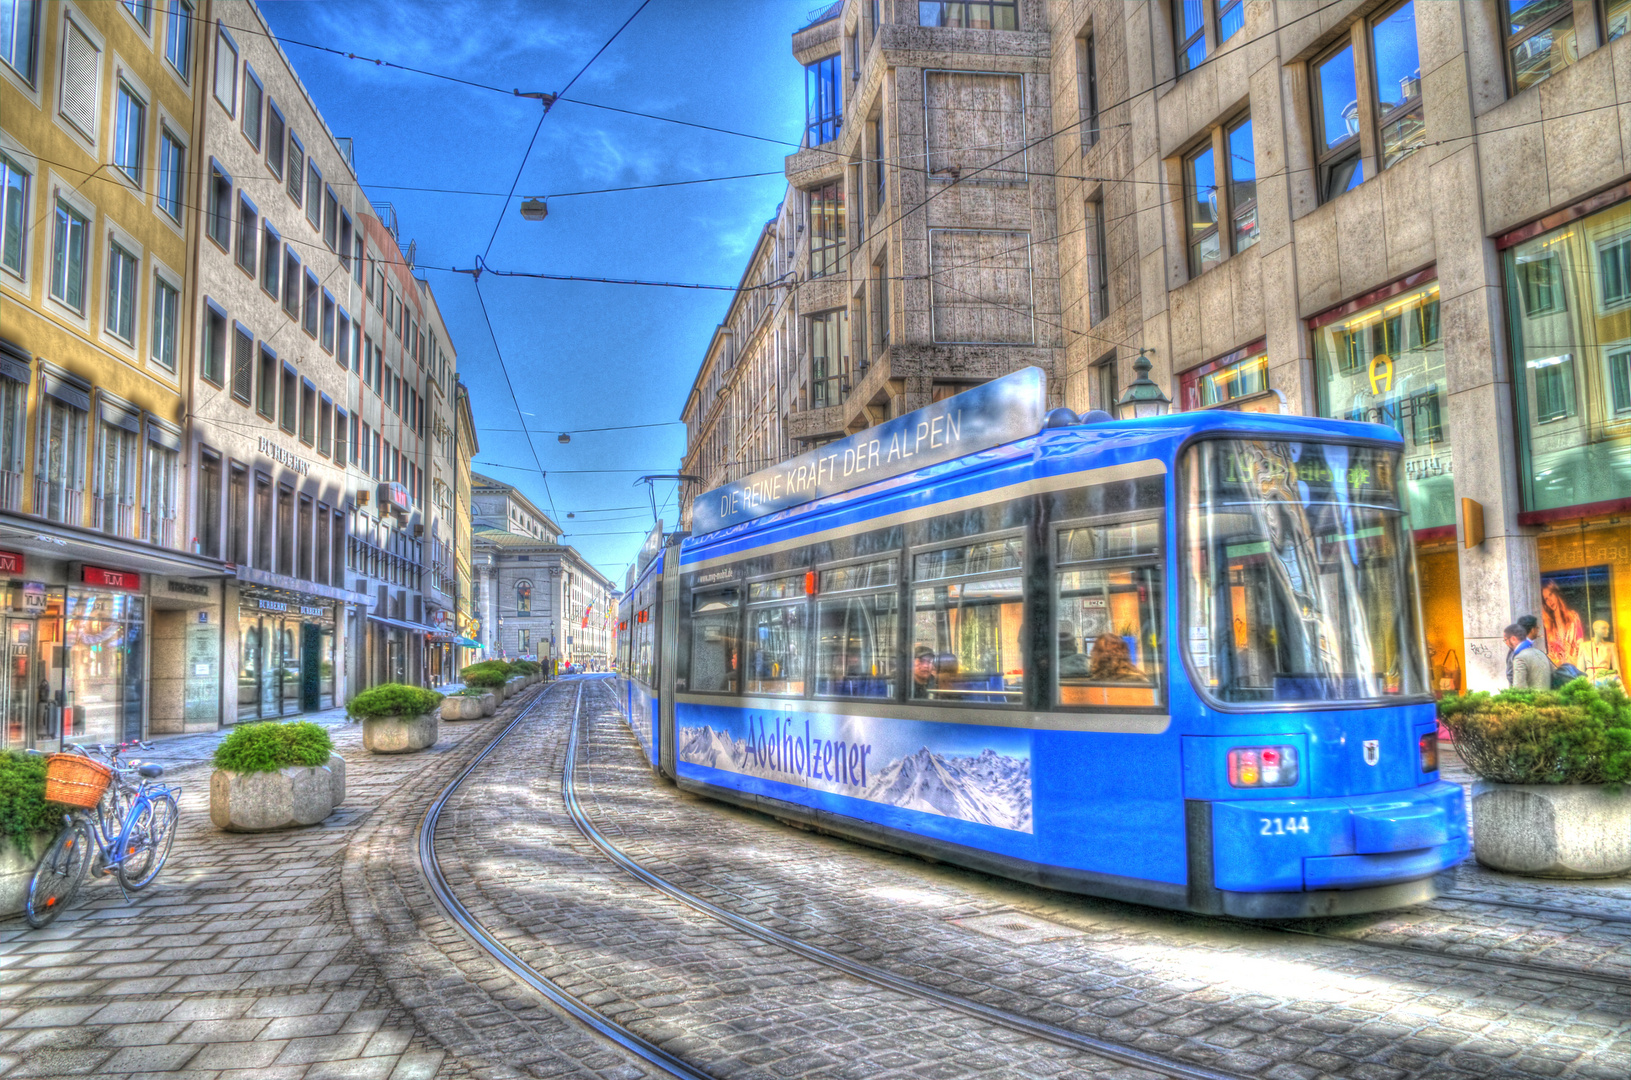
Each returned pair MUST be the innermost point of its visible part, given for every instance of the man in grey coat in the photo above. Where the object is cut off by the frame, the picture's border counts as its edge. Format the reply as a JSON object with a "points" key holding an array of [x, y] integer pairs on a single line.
{"points": [[1531, 670]]}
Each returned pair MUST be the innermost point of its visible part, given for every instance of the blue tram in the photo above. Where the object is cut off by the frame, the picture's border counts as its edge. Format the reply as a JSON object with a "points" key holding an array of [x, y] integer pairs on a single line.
{"points": [[1176, 660]]}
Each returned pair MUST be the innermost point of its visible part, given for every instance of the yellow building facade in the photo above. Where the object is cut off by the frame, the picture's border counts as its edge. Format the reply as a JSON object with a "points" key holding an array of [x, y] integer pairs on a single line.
{"points": [[106, 610]]}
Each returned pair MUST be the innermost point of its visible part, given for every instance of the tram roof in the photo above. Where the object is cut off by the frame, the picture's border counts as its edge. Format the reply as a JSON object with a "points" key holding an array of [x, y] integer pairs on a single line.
{"points": [[1051, 451]]}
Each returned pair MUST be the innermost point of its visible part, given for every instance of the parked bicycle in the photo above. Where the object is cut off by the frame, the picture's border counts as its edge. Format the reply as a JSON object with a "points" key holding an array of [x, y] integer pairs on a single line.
{"points": [[120, 818]]}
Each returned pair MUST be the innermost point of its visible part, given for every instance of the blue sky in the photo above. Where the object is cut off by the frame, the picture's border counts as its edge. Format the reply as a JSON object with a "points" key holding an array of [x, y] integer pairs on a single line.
{"points": [[581, 355]]}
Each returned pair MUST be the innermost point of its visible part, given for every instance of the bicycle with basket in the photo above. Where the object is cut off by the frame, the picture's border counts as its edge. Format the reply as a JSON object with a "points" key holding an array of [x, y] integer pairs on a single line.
{"points": [[120, 816]]}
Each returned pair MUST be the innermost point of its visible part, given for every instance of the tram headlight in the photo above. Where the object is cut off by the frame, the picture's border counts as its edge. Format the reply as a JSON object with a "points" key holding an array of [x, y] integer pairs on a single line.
{"points": [[1262, 766], [1429, 752]]}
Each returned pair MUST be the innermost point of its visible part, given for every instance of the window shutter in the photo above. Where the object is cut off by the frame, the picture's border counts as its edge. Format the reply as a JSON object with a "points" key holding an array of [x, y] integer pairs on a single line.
{"points": [[243, 371], [79, 70]]}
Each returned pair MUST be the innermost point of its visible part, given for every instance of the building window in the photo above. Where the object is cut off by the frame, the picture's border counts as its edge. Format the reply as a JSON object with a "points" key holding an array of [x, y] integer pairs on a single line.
{"points": [[1098, 263], [314, 195], [1232, 378], [14, 183], [1616, 19], [342, 341], [331, 220], [129, 134], [1568, 292], [81, 79], [277, 134], [141, 11], [880, 304], [254, 95], [121, 302], [291, 282], [178, 42], [823, 101], [827, 230], [340, 437], [166, 310], [308, 412], [1395, 110], [220, 208], [311, 303], [1087, 90], [262, 528], [115, 508], [328, 322], [289, 415], [18, 33], [285, 530], [325, 426], [296, 167], [226, 70], [1189, 24], [213, 345], [523, 598], [972, 15], [237, 515], [209, 503], [1375, 365], [345, 240], [60, 490], [524, 642], [248, 234], [159, 489], [829, 358], [1540, 40], [172, 172], [1104, 374], [271, 259], [267, 383]]}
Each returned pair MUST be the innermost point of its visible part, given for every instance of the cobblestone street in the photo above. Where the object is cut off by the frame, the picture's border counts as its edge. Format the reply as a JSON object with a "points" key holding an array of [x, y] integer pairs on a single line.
{"points": [[321, 952]]}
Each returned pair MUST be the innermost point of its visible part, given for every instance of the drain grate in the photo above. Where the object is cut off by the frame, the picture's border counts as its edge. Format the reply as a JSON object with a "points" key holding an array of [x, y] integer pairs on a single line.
{"points": [[1018, 929]]}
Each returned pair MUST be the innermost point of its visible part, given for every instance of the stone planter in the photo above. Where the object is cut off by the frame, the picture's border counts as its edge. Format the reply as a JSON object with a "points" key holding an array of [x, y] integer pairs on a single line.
{"points": [[263, 801], [489, 703], [460, 707], [1552, 830], [17, 868], [336, 770], [516, 685], [400, 734]]}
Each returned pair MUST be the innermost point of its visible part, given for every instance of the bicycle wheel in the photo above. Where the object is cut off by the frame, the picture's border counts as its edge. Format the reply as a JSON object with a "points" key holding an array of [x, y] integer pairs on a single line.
{"points": [[59, 874], [147, 842]]}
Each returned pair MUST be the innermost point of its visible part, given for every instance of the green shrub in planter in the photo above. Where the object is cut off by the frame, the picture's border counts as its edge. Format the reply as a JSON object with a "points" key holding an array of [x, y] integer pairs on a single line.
{"points": [[488, 673], [269, 746], [392, 699], [1580, 734], [525, 667], [23, 809]]}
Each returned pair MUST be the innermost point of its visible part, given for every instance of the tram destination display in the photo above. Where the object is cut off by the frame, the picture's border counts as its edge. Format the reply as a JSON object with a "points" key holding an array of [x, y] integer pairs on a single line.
{"points": [[988, 415]]}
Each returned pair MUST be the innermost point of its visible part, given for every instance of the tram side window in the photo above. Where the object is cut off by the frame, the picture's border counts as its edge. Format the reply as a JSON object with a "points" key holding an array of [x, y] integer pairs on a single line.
{"points": [[1107, 645], [857, 613], [967, 620], [715, 650], [644, 628], [776, 636]]}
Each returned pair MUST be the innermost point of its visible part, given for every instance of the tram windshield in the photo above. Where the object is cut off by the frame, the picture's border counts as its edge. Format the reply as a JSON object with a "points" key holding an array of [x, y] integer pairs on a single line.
{"points": [[1300, 578]]}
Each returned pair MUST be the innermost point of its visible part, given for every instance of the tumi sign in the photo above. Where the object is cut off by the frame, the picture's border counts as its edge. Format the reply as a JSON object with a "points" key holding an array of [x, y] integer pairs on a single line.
{"points": [[127, 580], [10, 562]]}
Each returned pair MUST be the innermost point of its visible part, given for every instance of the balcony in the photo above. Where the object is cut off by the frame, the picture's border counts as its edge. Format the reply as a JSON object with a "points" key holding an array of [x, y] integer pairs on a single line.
{"points": [[11, 491], [159, 529], [115, 516], [59, 503]]}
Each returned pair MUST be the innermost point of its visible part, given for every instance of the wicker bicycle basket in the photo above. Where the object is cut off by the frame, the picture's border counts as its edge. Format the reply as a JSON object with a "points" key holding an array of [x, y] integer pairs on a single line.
{"points": [[75, 780]]}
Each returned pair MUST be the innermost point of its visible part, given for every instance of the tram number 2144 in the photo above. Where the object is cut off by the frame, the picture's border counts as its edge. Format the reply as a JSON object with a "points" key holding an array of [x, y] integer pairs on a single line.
{"points": [[1282, 826]]}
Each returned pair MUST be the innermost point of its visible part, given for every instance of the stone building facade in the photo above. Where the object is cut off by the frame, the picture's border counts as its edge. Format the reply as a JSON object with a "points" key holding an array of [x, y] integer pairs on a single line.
{"points": [[466, 446], [1409, 213], [538, 599]]}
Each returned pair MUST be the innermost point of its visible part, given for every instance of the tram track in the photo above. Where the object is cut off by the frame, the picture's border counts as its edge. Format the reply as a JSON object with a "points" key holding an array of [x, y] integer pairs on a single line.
{"points": [[631, 1041], [1546, 909]]}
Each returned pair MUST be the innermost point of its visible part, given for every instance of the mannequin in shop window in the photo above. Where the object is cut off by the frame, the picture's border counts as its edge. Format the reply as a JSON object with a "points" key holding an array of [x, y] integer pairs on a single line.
{"points": [[1597, 657]]}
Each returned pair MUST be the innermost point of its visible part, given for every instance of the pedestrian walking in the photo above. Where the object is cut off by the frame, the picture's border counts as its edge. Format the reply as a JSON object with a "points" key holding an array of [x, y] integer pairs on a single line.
{"points": [[1530, 627], [1530, 668]]}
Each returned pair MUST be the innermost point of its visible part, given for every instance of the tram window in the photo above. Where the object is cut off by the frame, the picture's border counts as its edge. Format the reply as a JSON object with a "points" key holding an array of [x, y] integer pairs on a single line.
{"points": [[715, 650], [776, 636], [1107, 645], [856, 634], [966, 632]]}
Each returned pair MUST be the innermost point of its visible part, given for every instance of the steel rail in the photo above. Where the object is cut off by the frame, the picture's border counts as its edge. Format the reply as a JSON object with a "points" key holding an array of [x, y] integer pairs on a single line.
{"points": [[1468, 898], [455, 910], [1541, 972], [1126, 1055]]}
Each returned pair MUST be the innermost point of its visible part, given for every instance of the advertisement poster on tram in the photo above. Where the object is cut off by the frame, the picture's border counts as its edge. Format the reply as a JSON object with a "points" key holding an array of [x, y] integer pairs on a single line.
{"points": [[964, 771]]}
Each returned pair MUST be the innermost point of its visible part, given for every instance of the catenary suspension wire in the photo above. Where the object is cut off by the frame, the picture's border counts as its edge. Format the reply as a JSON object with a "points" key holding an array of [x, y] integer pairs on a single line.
{"points": [[505, 368]]}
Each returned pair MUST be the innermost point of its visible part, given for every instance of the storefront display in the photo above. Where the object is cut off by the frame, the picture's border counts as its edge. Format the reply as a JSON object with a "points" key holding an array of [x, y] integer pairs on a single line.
{"points": [[104, 643], [1585, 574], [285, 656], [1381, 360], [1568, 302], [1237, 381]]}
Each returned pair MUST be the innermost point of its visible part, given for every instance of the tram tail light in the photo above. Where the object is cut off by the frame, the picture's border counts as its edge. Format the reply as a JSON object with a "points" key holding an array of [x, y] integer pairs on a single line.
{"points": [[1429, 752], [1262, 766]]}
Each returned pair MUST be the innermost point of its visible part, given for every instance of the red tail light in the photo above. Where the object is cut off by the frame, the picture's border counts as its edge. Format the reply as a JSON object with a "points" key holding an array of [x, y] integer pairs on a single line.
{"points": [[1262, 766], [1429, 752]]}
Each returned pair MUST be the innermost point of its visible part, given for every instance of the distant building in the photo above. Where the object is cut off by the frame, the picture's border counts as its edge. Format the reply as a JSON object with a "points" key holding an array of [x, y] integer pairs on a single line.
{"points": [[466, 446], [538, 599]]}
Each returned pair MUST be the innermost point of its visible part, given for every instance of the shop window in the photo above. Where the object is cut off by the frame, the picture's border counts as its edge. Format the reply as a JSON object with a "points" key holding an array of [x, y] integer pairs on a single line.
{"points": [[1540, 40], [1568, 295], [1384, 364], [1237, 381], [1585, 595]]}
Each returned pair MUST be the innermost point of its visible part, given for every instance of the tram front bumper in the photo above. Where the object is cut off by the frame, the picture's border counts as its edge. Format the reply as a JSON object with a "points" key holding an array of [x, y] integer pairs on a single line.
{"points": [[1350, 842]]}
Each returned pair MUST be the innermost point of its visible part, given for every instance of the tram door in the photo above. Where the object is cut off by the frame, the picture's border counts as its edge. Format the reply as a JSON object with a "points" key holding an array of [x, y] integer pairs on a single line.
{"points": [[19, 689]]}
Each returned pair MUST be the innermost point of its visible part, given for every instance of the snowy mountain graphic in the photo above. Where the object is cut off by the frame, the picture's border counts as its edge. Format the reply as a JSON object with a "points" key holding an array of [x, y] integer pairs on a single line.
{"points": [[988, 788]]}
